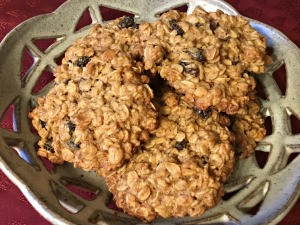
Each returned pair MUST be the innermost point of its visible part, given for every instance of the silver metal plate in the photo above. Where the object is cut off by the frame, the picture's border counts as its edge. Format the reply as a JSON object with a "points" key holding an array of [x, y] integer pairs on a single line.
{"points": [[275, 187]]}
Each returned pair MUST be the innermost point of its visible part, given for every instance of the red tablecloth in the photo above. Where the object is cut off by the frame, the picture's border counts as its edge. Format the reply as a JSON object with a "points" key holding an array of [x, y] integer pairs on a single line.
{"points": [[282, 14]]}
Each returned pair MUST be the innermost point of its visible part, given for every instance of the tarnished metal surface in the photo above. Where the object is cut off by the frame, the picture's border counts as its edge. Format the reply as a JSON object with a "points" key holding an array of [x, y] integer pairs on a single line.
{"points": [[276, 185]]}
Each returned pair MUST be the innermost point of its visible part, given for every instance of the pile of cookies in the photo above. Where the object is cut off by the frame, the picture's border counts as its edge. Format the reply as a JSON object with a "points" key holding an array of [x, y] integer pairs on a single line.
{"points": [[160, 109]]}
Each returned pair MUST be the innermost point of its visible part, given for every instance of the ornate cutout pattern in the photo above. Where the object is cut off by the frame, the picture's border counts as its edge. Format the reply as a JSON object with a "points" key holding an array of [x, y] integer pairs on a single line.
{"points": [[292, 156], [47, 43], [9, 120], [234, 186], [269, 125], [260, 91], [68, 201], [21, 149], [84, 20], [280, 78], [45, 78], [59, 58], [29, 62], [112, 205], [261, 158], [48, 165], [81, 189], [294, 120], [111, 13], [254, 200]]}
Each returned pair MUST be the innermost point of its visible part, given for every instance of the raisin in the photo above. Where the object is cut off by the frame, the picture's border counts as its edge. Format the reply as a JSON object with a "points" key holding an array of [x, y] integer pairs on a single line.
{"points": [[175, 26], [136, 26], [197, 54], [71, 126], [198, 24], [126, 22], [204, 159], [235, 62], [204, 114], [48, 145], [180, 145], [72, 145], [192, 71], [213, 25], [70, 62], [184, 63], [67, 81], [43, 123], [189, 68], [82, 61]]}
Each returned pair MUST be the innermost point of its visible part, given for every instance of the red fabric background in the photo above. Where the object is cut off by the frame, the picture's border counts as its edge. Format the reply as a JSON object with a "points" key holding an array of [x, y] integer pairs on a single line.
{"points": [[282, 14]]}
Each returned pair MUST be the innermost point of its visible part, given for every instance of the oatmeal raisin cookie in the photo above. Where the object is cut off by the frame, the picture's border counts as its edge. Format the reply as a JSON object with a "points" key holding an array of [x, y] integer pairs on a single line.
{"points": [[99, 111], [180, 171], [204, 56]]}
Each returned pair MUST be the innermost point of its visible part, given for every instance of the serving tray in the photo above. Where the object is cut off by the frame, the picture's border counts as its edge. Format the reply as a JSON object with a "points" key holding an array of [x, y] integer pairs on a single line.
{"points": [[255, 193]]}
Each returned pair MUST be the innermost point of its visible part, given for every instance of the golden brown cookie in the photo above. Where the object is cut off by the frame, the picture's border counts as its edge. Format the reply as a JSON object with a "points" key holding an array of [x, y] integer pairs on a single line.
{"points": [[248, 127], [204, 56], [180, 171], [100, 109]]}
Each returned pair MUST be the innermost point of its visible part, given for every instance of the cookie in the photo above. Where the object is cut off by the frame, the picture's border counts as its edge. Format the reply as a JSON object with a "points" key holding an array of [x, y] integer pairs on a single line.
{"points": [[205, 56], [180, 171], [248, 127], [107, 47], [99, 111]]}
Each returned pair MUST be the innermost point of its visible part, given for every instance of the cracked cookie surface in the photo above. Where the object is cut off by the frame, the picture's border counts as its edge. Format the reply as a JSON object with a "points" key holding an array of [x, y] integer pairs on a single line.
{"points": [[100, 109], [204, 56], [180, 171]]}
